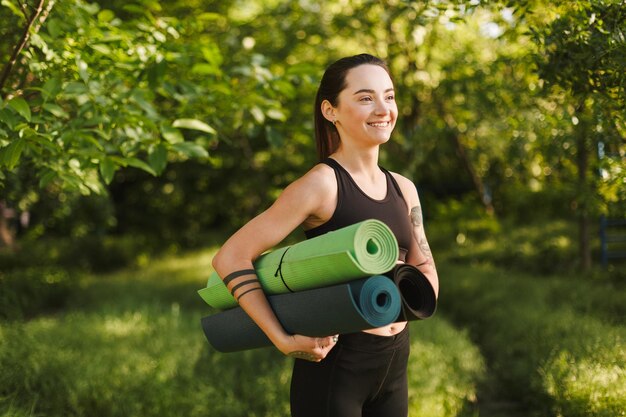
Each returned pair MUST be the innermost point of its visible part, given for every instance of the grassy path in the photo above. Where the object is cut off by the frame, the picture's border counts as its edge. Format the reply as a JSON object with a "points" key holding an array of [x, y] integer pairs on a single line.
{"points": [[554, 344]]}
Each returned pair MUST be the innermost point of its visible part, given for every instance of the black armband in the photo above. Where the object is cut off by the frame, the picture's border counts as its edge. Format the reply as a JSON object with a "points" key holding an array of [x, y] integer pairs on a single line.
{"points": [[246, 292], [242, 284], [238, 274]]}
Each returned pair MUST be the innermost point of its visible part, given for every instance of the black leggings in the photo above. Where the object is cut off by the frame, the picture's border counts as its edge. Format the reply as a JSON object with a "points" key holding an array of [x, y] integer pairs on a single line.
{"points": [[364, 375]]}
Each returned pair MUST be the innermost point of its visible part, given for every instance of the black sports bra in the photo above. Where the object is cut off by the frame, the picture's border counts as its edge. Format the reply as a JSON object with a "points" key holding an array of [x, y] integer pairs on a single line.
{"points": [[353, 206]]}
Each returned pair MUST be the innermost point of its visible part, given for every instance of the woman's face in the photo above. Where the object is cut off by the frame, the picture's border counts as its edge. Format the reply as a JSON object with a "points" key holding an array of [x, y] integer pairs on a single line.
{"points": [[366, 110]]}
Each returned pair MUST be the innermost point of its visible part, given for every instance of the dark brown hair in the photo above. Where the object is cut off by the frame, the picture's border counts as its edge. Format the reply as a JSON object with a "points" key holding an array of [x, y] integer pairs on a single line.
{"points": [[332, 83]]}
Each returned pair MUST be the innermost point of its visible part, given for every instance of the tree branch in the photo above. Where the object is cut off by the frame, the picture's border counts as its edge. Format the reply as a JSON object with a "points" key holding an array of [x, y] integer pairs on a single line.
{"points": [[22, 43]]}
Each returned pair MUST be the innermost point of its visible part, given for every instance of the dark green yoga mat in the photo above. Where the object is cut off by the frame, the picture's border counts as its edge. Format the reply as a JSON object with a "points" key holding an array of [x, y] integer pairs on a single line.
{"points": [[344, 308], [357, 251], [418, 295]]}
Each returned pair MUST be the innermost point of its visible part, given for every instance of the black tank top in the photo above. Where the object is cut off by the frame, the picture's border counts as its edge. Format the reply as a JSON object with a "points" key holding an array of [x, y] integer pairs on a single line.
{"points": [[354, 206]]}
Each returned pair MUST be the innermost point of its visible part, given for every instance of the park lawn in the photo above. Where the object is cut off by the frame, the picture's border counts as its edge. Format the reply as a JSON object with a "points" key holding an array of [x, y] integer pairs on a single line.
{"points": [[556, 344], [130, 344]]}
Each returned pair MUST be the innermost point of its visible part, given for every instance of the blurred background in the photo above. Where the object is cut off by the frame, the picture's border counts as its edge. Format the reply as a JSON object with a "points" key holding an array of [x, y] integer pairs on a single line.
{"points": [[136, 135]]}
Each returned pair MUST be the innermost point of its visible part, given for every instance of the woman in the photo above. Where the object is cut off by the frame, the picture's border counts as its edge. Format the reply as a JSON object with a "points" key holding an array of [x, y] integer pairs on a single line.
{"points": [[359, 374]]}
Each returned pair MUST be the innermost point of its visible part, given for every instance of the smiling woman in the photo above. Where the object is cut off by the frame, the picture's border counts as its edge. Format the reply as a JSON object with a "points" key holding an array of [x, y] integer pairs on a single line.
{"points": [[356, 374]]}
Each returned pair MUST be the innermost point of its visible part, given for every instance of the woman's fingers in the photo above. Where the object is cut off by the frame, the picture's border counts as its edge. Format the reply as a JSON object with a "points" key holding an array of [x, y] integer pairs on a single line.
{"points": [[324, 342], [313, 349]]}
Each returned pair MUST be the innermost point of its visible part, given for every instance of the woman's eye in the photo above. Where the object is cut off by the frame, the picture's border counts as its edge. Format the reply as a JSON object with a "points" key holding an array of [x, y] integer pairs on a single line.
{"points": [[366, 98], [391, 97]]}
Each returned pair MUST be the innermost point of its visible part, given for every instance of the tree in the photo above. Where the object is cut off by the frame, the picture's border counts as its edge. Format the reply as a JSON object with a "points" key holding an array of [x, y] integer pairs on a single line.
{"points": [[86, 93], [582, 51]]}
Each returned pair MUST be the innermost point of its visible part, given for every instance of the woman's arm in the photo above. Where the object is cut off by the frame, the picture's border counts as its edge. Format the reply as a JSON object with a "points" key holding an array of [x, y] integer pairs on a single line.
{"points": [[302, 200], [419, 253]]}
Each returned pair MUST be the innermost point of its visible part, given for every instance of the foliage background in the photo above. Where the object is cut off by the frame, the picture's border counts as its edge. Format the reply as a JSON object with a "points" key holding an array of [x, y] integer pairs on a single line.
{"points": [[136, 130], [149, 117]]}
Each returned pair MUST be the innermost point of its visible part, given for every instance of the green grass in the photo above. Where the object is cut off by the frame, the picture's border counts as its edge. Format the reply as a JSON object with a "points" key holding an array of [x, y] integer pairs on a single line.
{"points": [[554, 343], [130, 344]]}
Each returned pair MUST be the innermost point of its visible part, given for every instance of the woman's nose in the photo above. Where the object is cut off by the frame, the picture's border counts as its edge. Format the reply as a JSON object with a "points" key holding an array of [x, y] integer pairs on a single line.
{"points": [[382, 107]]}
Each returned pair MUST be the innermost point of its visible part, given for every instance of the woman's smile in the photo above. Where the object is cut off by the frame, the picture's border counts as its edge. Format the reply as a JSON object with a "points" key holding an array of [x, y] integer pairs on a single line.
{"points": [[379, 124]]}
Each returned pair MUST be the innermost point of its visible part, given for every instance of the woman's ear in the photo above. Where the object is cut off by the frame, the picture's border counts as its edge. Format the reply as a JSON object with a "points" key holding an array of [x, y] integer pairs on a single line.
{"points": [[328, 111]]}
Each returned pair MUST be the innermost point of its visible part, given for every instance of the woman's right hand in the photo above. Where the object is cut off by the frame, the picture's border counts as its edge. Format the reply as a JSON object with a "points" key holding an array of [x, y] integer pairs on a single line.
{"points": [[313, 349]]}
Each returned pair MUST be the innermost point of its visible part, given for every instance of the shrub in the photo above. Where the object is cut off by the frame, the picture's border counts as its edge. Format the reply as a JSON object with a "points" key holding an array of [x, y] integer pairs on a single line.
{"points": [[540, 248], [90, 253], [28, 292]]}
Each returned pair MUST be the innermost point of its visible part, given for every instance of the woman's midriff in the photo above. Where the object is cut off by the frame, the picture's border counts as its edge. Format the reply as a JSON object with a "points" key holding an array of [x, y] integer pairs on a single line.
{"points": [[389, 330]]}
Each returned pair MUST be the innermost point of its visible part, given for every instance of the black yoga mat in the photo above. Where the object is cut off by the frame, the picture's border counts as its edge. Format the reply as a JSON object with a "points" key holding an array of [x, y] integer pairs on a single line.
{"points": [[344, 308], [418, 295]]}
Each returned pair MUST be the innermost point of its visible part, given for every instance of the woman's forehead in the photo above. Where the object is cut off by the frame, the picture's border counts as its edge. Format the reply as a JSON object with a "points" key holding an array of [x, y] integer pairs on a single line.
{"points": [[368, 77]]}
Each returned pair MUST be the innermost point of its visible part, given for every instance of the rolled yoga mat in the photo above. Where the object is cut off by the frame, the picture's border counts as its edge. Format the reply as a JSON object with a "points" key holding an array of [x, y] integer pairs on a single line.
{"points": [[418, 295], [361, 250], [344, 308]]}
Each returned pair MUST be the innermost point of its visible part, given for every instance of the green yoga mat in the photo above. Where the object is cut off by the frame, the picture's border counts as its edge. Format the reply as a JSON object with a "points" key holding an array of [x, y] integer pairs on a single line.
{"points": [[357, 251], [343, 308]]}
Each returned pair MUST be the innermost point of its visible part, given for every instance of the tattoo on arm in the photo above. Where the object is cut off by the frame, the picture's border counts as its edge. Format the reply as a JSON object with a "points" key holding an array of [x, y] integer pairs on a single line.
{"points": [[419, 234]]}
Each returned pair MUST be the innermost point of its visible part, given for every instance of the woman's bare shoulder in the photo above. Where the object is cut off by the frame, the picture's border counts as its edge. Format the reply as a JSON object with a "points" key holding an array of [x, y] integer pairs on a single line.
{"points": [[318, 180], [318, 194]]}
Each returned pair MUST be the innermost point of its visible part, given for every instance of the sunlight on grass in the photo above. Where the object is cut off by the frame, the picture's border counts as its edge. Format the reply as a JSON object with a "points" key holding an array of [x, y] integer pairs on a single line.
{"points": [[593, 387], [444, 370], [132, 323], [553, 342], [188, 267], [131, 344]]}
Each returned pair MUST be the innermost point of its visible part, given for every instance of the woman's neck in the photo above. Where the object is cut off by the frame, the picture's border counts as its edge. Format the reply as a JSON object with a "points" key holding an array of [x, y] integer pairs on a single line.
{"points": [[358, 160]]}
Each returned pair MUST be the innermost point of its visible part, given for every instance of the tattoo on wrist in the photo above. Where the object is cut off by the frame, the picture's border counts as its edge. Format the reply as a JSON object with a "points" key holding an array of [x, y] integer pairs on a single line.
{"points": [[237, 274], [246, 292], [243, 284], [299, 354]]}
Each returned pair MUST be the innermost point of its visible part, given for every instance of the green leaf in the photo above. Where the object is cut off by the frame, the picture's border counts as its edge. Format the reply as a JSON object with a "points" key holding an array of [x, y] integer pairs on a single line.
{"points": [[193, 124], [75, 88], [190, 149], [205, 69], [106, 16], [158, 158], [56, 110], [93, 184], [107, 169], [145, 105], [171, 134], [138, 163], [54, 27], [10, 155], [82, 69], [212, 55], [276, 115], [103, 49], [21, 106], [8, 117], [51, 88], [45, 140], [16, 11], [258, 115], [47, 178], [274, 137]]}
